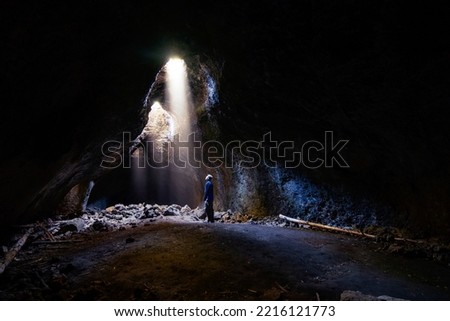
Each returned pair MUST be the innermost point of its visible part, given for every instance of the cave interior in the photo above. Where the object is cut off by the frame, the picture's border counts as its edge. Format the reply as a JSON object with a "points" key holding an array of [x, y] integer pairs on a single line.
{"points": [[328, 112]]}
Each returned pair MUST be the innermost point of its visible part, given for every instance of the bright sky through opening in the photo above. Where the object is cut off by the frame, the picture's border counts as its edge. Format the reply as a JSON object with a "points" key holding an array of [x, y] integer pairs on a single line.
{"points": [[178, 94]]}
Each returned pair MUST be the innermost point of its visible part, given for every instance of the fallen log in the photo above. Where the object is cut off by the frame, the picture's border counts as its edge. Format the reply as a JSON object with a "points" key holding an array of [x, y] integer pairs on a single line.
{"points": [[46, 232], [281, 288], [55, 242], [326, 227], [342, 230], [9, 257], [23, 226]]}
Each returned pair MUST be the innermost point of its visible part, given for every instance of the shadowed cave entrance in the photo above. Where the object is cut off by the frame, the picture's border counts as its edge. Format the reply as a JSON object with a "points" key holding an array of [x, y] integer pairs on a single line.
{"points": [[162, 165]]}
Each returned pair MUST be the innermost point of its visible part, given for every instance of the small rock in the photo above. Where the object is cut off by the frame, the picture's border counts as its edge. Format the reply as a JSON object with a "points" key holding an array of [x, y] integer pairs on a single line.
{"points": [[185, 209], [128, 213], [175, 206], [158, 210], [394, 248], [169, 212], [172, 210], [99, 226], [130, 240], [58, 281], [272, 294], [120, 207], [149, 213], [64, 228], [358, 296]]}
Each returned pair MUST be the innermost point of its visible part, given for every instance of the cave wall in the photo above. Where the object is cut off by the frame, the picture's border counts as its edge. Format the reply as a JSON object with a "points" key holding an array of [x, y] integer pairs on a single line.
{"points": [[374, 72], [371, 74], [75, 201]]}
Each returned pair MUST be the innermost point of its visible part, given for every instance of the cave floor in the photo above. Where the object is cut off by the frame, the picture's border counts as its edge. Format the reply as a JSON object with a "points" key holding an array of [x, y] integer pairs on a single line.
{"points": [[198, 261]]}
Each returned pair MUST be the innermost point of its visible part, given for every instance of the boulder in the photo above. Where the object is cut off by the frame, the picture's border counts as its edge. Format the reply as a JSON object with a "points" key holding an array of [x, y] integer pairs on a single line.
{"points": [[172, 211], [99, 226]]}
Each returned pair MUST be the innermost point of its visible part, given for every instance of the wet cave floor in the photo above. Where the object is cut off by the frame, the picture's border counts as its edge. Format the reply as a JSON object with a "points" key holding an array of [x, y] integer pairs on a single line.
{"points": [[170, 260]]}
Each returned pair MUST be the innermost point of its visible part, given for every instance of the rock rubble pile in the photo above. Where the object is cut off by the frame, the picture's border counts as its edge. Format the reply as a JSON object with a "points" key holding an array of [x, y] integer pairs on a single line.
{"points": [[122, 216]]}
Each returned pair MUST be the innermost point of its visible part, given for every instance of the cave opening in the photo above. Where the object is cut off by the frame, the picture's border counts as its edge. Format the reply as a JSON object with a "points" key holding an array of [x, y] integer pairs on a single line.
{"points": [[164, 167]]}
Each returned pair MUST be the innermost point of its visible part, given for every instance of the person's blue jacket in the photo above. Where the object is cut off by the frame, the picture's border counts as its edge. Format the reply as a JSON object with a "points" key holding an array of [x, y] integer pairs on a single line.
{"points": [[209, 192]]}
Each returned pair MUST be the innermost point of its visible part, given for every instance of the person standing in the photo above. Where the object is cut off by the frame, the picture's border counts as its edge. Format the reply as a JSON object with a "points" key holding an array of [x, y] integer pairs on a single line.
{"points": [[209, 198]]}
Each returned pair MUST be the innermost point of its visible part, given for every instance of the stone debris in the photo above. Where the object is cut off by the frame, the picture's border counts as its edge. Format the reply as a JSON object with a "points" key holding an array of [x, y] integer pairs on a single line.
{"points": [[122, 216], [358, 296], [233, 217]]}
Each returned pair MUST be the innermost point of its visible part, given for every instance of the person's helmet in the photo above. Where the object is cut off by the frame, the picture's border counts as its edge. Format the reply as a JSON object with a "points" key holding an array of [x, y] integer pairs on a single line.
{"points": [[208, 177]]}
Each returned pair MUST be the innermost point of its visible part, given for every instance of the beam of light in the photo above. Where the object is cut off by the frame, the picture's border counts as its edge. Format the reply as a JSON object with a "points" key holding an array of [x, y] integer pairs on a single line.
{"points": [[160, 129], [178, 94], [174, 115], [139, 177]]}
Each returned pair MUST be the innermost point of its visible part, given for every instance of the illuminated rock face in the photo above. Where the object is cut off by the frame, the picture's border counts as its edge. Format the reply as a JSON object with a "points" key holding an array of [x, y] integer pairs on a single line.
{"points": [[369, 73]]}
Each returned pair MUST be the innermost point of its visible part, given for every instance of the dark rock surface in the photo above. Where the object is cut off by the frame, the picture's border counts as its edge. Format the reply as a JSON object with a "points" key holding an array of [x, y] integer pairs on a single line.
{"points": [[171, 260]]}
